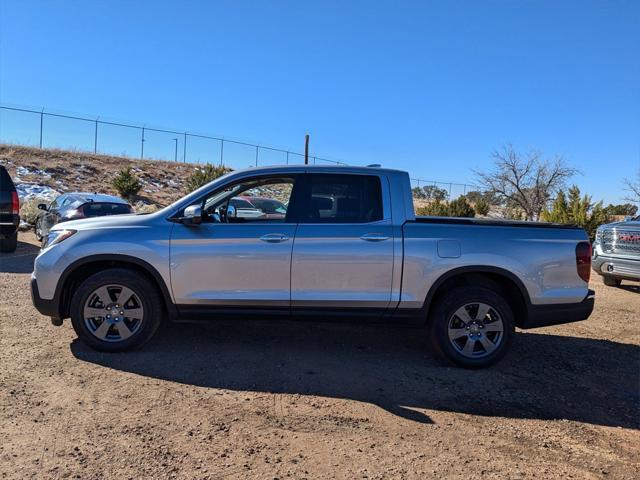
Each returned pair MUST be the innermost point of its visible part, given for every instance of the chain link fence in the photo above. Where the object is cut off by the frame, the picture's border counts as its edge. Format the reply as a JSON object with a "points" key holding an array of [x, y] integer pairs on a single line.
{"points": [[49, 129]]}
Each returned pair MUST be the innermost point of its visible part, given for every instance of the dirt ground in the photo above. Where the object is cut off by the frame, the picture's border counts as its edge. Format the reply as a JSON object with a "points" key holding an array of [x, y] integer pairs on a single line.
{"points": [[298, 400]]}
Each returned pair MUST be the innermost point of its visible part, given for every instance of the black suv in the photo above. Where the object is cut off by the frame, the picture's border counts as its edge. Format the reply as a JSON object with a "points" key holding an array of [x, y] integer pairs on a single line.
{"points": [[9, 213]]}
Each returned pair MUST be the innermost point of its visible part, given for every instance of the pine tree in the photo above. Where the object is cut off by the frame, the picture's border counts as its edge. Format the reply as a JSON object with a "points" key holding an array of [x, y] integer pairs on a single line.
{"points": [[126, 183], [559, 212], [578, 210], [203, 175]]}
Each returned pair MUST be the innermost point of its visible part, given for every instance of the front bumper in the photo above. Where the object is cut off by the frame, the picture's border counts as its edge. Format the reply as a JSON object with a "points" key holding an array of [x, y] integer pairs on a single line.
{"points": [[617, 267], [50, 308], [546, 315]]}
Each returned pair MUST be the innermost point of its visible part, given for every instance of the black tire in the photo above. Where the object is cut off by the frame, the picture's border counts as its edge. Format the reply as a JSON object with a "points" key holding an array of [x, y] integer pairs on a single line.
{"points": [[610, 281], [444, 314], [147, 294], [9, 245], [37, 230]]}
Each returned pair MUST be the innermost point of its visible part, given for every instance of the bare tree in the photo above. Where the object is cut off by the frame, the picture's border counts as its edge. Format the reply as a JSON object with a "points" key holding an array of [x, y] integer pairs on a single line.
{"points": [[526, 181], [633, 187]]}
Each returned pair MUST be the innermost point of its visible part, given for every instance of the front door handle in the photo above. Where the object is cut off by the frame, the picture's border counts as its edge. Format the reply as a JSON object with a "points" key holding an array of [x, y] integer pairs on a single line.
{"points": [[274, 238], [374, 237]]}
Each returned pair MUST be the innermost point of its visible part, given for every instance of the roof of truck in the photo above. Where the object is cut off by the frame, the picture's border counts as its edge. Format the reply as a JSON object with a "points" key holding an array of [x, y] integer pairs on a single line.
{"points": [[323, 168]]}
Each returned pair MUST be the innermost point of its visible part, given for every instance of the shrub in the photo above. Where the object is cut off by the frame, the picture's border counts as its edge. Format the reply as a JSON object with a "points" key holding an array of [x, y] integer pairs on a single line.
{"points": [[434, 209], [437, 194], [418, 193], [455, 208], [461, 208], [29, 211], [482, 208], [204, 175], [126, 183], [143, 208]]}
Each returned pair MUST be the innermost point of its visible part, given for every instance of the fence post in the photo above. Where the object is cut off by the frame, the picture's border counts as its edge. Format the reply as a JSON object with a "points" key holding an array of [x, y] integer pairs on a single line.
{"points": [[184, 155], [142, 145], [95, 138], [41, 122]]}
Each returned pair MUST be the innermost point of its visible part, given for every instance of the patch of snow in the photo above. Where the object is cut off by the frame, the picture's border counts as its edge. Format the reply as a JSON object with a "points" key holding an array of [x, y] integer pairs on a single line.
{"points": [[23, 171], [27, 191]]}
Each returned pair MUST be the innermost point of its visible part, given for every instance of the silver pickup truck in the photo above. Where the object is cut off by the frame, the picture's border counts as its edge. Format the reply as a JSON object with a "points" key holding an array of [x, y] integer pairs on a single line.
{"points": [[616, 252], [348, 246]]}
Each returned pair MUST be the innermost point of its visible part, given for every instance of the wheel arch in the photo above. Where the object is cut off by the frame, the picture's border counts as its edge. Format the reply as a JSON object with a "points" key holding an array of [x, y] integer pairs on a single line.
{"points": [[499, 279], [81, 269]]}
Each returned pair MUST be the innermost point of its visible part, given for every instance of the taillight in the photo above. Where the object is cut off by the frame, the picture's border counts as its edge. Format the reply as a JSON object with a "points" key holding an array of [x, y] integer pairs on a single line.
{"points": [[583, 260], [15, 203]]}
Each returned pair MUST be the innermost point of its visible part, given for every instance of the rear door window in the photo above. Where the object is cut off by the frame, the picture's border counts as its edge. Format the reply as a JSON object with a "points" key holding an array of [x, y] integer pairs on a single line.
{"points": [[339, 198]]}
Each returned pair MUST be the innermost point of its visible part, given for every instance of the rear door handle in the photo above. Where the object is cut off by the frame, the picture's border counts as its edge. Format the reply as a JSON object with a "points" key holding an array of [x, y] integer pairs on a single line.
{"points": [[274, 238], [374, 237]]}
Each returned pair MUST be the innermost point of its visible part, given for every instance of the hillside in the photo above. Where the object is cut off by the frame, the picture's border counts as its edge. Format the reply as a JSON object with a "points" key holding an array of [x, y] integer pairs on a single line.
{"points": [[47, 172]]}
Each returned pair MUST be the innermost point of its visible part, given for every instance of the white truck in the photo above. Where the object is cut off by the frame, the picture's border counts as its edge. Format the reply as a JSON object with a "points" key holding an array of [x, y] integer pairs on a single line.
{"points": [[616, 252]]}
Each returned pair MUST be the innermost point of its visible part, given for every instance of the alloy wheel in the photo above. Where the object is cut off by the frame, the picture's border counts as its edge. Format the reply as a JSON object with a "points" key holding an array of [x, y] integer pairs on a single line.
{"points": [[113, 313], [475, 330]]}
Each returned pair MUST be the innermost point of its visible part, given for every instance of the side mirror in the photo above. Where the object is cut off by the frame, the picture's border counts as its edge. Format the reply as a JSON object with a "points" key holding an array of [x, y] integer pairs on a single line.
{"points": [[192, 215], [42, 206], [231, 212]]}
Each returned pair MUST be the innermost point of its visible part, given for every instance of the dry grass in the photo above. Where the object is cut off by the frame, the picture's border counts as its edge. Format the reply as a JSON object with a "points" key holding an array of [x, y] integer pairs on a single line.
{"points": [[162, 182]]}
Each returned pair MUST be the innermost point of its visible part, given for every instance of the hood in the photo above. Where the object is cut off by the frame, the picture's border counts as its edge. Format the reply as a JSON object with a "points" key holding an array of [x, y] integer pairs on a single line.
{"points": [[108, 221], [632, 224]]}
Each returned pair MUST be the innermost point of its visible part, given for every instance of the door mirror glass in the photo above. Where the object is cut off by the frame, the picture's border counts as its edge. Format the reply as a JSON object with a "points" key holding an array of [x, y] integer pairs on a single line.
{"points": [[231, 212], [42, 206], [192, 215]]}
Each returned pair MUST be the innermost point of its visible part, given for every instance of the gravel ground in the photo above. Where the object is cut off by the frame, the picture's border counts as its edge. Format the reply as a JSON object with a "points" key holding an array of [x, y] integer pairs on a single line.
{"points": [[298, 400]]}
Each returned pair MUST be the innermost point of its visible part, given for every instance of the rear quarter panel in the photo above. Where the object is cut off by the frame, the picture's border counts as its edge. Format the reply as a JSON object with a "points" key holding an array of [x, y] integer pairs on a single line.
{"points": [[543, 259]]}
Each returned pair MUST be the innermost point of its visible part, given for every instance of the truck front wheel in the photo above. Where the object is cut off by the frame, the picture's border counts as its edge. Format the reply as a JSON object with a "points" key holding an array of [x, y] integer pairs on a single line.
{"points": [[116, 310], [471, 326]]}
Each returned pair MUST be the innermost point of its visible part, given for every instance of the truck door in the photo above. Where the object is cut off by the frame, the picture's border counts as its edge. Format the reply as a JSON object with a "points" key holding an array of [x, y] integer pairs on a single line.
{"points": [[343, 251], [239, 256]]}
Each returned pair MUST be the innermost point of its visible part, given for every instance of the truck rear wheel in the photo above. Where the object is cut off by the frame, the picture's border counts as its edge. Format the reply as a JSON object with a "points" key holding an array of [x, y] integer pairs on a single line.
{"points": [[9, 245], [610, 281], [116, 310], [472, 326]]}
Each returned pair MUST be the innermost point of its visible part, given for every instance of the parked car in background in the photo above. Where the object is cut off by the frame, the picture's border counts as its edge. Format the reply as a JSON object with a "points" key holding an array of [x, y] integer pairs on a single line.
{"points": [[75, 206], [349, 246], [272, 208], [243, 210], [9, 213], [616, 252]]}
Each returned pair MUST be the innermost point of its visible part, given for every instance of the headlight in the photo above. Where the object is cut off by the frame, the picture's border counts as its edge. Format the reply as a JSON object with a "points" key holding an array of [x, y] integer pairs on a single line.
{"points": [[57, 236]]}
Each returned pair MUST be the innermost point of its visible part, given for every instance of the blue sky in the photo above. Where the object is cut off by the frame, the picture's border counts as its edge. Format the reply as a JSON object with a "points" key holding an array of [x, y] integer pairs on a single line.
{"points": [[432, 86]]}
